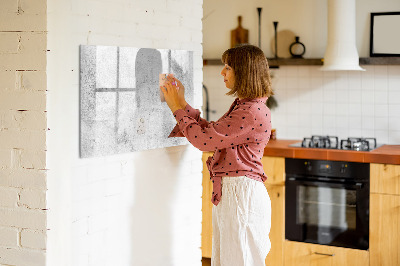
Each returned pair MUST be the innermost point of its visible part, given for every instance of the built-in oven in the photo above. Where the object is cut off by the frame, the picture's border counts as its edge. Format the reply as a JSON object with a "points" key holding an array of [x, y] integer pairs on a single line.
{"points": [[327, 202]]}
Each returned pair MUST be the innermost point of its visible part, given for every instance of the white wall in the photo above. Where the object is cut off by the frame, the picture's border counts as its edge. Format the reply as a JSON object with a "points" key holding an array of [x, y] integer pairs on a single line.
{"points": [[141, 208], [306, 19], [23, 214], [311, 102]]}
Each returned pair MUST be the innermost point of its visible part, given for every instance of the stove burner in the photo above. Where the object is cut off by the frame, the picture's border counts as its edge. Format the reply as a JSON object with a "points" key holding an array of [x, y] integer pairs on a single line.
{"points": [[328, 142], [358, 144]]}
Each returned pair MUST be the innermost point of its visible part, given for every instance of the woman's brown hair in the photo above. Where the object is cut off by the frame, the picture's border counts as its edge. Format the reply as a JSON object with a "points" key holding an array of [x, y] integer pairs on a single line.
{"points": [[250, 66]]}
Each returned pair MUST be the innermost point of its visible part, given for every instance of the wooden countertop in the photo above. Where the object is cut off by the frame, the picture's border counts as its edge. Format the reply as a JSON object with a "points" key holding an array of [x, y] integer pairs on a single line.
{"points": [[389, 154]]}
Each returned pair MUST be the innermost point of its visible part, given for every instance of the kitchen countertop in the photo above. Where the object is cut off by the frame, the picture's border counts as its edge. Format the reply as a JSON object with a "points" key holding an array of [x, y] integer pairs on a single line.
{"points": [[389, 154]]}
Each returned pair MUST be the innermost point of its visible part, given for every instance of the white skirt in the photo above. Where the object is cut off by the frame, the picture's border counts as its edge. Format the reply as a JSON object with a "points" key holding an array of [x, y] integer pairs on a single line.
{"points": [[241, 223]]}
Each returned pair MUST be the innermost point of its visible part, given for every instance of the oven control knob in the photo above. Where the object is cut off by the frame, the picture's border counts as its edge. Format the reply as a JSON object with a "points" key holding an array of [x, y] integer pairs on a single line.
{"points": [[343, 168], [308, 166]]}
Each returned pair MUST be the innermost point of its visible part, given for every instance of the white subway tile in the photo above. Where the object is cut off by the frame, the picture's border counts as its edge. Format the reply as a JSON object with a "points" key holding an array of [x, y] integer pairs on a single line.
{"points": [[355, 132], [380, 71], [382, 123], [367, 122], [394, 97], [367, 96], [394, 71], [291, 71], [342, 122], [382, 110], [355, 96], [329, 109], [394, 123], [394, 137], [367, 110], [394, 83], [381, 97], [382, 136], [292, 82], [355, 122], [367, 133], [394, 110], [342, 109]]}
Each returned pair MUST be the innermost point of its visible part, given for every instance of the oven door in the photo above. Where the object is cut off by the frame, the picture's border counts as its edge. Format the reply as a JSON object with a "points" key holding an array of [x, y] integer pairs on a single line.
{"points": [[327, 213]]}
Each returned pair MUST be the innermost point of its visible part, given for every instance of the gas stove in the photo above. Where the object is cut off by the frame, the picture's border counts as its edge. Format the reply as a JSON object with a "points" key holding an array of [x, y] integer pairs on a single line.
{"points": [[332, 142]]}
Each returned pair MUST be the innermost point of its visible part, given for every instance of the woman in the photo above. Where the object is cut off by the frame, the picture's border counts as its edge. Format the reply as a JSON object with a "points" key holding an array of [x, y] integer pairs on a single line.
{"points": [[242, 208]]}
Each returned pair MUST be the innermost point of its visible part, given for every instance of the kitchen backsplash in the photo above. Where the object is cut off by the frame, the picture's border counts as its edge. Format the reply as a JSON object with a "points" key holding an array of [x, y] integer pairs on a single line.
{"points": [[314, 102]]}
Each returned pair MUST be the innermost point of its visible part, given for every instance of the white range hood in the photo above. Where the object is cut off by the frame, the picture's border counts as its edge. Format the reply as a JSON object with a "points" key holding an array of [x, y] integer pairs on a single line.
{"points": [[341, 51]]}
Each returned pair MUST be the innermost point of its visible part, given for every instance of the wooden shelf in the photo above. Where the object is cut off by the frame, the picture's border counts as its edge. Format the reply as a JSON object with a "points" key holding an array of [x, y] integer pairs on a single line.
{"points": [[274, 63], [380, 61]]}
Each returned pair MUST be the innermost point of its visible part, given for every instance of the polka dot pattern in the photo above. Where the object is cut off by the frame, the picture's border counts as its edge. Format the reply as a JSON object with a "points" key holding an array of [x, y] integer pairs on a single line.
{"points": [[238, 139]]}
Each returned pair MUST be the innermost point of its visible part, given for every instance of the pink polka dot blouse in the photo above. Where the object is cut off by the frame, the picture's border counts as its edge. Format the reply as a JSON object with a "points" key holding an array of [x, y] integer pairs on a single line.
{"points": [[238, 139]]}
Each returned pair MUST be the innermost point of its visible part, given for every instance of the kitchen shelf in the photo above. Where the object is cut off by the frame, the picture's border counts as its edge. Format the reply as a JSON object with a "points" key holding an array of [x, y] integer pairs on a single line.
{"points": [[380, 61], [274, 63]]}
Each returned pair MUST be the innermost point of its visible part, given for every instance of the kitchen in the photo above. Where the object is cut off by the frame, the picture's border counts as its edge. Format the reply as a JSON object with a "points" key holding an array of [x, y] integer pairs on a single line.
{"points": [[311, 102]]}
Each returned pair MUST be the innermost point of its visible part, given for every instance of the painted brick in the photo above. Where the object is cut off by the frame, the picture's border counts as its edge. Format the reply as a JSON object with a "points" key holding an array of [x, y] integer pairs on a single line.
{"points": [[8, 6], [31, 80], [9, 42], [36, 7], [5, 158], [7, 80], [23, 178], [8, 237], [23, 218], [31, 159], [12, 256], [23, 100], [34, 140], [33, 239], [13, 119], [31, 56], [8, 197], [33, 199], [23, 22]]}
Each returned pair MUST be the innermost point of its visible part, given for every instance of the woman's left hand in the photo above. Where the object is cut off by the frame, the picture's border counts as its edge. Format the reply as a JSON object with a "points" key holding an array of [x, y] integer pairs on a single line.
{"points": [[171, 95]]}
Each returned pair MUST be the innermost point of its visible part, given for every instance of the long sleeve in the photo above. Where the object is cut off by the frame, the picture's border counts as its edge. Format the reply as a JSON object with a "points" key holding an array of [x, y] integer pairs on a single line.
{"points": [[229, 131], [193, 113]]}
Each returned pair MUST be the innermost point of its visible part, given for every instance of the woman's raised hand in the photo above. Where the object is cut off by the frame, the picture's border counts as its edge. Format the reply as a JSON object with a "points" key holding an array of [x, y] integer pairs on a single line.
{"points": [[172, 95], [181, 92]]}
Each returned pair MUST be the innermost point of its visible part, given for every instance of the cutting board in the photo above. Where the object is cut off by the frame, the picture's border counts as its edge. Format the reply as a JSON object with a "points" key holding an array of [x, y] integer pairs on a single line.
{"points": [[239, 35]]}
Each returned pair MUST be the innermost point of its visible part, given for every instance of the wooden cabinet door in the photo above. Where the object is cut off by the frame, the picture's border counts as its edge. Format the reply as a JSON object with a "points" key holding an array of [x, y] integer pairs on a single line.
{"points": [[384, 236], [385, 178], [206, 226], [304, 254], [277, 233], [274, 168]]}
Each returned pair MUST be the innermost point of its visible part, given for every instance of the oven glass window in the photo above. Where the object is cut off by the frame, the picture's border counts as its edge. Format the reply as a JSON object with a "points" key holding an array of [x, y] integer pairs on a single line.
{"points": [[326, 207]]}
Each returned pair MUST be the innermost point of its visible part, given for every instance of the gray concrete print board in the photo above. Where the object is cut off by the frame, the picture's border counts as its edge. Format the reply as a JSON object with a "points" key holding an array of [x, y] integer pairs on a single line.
{"points": [[120, 106]]}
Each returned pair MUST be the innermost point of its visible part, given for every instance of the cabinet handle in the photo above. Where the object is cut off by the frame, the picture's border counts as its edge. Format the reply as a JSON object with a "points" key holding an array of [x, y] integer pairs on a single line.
{"points": [[324, 254]]}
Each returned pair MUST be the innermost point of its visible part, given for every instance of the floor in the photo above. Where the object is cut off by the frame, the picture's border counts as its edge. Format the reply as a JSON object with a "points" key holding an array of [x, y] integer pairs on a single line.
{"points": [[206, 261]]}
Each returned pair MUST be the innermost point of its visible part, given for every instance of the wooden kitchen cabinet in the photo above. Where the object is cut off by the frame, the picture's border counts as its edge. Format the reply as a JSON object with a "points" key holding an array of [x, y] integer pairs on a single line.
{"points": [[206, 225], [385, 178], [277, 233], [305, 254], [274, 168], [385, 215]]}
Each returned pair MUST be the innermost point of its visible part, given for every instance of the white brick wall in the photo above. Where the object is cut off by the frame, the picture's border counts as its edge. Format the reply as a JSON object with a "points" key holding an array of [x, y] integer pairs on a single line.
{"points": [[141, 208], [22, 132]]}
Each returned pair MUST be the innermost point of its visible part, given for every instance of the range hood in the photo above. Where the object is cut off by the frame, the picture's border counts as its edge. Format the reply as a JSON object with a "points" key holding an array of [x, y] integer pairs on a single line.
{"points": [[341, 51]]}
